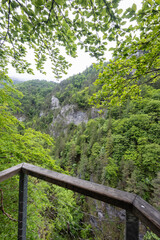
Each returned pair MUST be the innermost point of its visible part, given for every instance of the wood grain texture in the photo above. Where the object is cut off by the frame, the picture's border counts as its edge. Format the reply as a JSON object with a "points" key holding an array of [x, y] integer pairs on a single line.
{"points": [[10, 172], [110, 195], [147, 214], [128, 201]]}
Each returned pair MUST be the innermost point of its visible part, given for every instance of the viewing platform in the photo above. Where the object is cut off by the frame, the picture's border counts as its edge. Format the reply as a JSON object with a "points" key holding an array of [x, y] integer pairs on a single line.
{"points": [[136, 208]]}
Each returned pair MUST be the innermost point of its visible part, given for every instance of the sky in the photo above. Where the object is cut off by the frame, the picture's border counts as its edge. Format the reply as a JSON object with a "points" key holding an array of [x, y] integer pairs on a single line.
{"points": [[79, 64]]}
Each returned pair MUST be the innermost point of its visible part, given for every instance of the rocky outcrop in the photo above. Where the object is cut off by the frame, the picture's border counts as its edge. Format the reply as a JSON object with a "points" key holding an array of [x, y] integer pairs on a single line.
{"points": [[41, 114], [72, 115], [69, 113], [54, 103], [21, 118], [66, 115]]}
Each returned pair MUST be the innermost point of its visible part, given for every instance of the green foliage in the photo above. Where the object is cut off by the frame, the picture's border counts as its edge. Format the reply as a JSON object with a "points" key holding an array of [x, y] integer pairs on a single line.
{"points": [[46, 26], [120, 150], [109, 173], [18, 145], [68, 216], [34, 94], [136, 57], [156, 193], [36, 110], [36, 104], [81, 98], [8, 93], [150, 236], [77, 88]]}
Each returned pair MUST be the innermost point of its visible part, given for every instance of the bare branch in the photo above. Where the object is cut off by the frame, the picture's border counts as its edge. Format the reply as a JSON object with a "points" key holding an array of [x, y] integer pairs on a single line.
{"points": [[2, 208]]}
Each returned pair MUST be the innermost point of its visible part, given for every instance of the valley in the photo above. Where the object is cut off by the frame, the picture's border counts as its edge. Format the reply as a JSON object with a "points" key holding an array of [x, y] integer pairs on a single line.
{"points": [[117, 146]]}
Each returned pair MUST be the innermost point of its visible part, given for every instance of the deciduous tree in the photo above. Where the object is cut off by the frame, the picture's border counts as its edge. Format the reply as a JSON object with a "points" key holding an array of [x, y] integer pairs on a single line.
{"points": [[45, 26], [136, 57]]}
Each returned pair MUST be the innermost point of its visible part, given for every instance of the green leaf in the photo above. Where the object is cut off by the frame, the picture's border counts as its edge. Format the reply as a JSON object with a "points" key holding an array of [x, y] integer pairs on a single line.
{"points": [[150, 2], [105, 36], [60, 2], [134, 7], [123, 23], [119, 11], [39, 2], [4, 1], [14, 4], [103, 12]]}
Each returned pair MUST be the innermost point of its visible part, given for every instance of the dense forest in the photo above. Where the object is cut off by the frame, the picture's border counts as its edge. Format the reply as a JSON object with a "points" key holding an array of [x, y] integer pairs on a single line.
{"points": [[119, 147], [102, 125]]}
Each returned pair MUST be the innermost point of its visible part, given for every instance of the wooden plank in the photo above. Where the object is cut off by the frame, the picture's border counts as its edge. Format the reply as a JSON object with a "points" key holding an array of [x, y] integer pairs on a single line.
{"points": [[10, 172], [147, 214], [131, 202], [106, 194]]}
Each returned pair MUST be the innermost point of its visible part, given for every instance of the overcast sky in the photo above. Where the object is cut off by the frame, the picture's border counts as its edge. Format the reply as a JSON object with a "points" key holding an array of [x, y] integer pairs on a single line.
{"points": [[79, 64]]}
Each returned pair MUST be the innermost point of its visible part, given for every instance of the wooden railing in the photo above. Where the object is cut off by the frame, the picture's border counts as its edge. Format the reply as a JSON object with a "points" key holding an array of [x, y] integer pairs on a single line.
{"points": [[136, 208]]}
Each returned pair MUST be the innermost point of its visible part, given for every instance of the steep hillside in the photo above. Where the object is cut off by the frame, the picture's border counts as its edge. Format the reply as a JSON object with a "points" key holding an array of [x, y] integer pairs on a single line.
{"points": [[51, 107], [118, 148], [35, 93], [121, 150]]}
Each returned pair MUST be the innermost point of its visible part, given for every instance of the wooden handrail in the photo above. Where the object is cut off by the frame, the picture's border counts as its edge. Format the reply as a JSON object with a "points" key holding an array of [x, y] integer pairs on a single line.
{"points": [[10, 172], [147, 214], [106, 194], [128, 201]]}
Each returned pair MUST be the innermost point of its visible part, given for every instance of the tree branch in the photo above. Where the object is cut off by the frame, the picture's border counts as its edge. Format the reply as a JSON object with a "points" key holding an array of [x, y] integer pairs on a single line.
{"points": [[50, 11], [9, 12], [151, 79], [108, 9], [2, 208]]}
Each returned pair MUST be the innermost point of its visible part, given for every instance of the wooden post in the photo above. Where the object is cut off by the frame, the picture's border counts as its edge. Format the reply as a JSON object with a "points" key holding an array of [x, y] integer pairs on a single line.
{"points": [[146, 213], [132, 227], [22, 214]]}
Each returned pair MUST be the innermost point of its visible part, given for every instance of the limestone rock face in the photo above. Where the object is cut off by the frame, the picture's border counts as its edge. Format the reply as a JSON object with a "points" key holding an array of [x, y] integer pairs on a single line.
{"points": [[67, 114], [41, 114], [94, 113], [21, 118], [72, 115], [54, 103]]}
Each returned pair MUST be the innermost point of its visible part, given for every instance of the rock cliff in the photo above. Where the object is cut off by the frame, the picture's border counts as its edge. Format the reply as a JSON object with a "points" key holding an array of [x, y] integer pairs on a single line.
{"points": [[67, 114]]}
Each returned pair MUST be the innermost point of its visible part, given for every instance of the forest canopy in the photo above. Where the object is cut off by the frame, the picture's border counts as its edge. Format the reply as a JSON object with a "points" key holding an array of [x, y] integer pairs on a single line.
{"points": [[136, 57], [45, 26], [48, 26], [121, 150]]}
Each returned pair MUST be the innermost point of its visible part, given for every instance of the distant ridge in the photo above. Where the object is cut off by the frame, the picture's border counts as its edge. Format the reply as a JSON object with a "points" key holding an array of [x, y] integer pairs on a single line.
{"points": [[17, 80]]}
